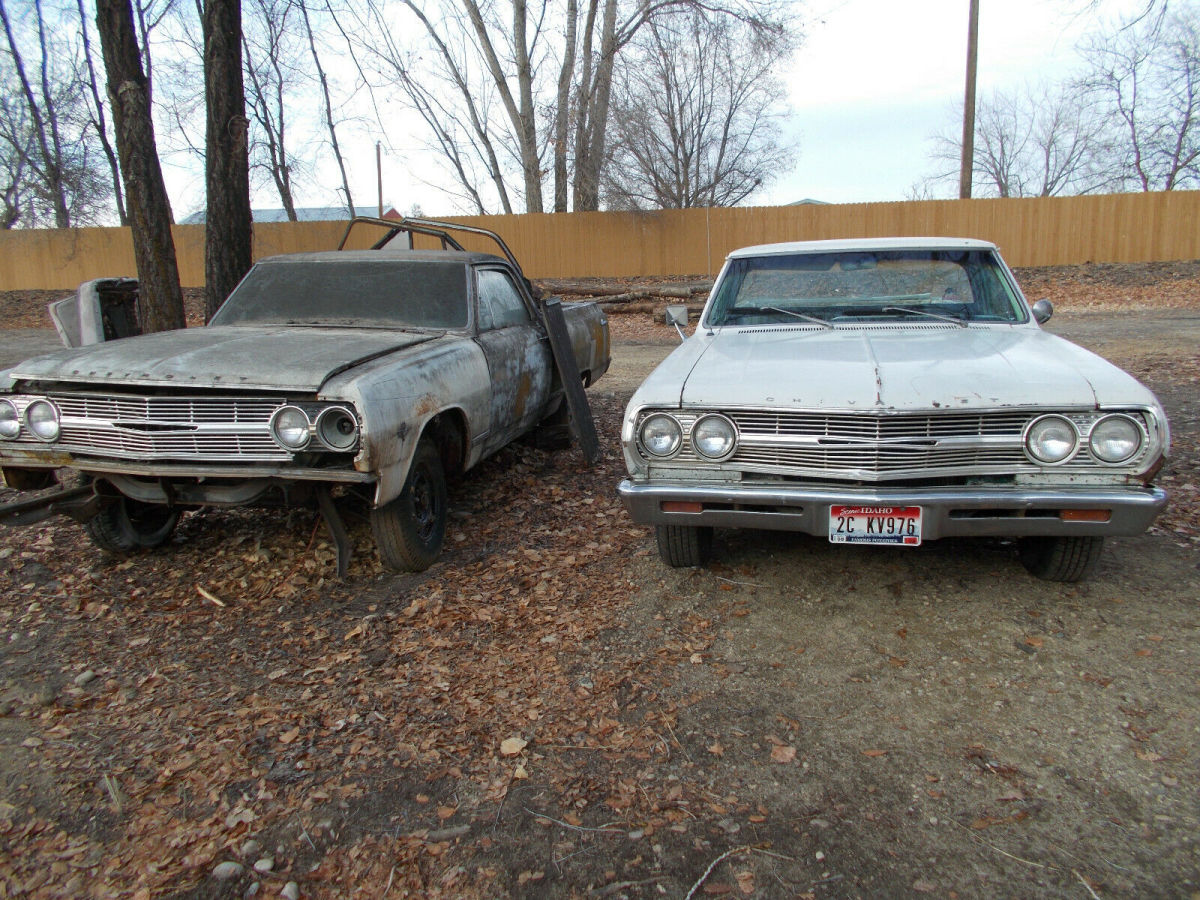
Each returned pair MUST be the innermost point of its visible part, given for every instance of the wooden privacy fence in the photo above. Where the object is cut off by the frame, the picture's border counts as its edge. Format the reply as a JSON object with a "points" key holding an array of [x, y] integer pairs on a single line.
{"points": [[1030, 231]]}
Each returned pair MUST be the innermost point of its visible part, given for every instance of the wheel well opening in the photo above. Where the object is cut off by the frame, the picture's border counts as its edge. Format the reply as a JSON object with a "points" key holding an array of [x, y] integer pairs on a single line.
{"points": [[448, 430]]}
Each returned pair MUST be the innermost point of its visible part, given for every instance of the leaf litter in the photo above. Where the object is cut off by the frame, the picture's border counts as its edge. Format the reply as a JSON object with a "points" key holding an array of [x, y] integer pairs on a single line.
{"points": [[549, 711]]}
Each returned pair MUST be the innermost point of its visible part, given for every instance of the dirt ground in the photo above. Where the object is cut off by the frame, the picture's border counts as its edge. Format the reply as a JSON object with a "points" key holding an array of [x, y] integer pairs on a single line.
{"points": [[551, 712]]}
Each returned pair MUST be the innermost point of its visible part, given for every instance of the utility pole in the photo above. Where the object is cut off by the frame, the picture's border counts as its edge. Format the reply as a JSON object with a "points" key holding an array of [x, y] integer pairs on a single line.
{"points": [[968, 132], [379, 174]]}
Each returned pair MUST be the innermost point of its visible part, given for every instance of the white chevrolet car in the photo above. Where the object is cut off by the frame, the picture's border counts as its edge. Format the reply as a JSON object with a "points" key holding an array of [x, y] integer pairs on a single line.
{"points": [[890, 391]]}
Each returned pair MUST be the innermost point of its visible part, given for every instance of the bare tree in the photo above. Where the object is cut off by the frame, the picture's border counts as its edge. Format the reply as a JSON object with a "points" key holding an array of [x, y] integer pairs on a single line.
{"points": [[161, 303], [149, 15], [1035, 142], [268, 69], [464, 39], [98, 119], [227, 233], [607, 31], [43, 113], [46, 121], [1146, 79], [509, 85], [696, 115], [16, 144], [330, 125]]}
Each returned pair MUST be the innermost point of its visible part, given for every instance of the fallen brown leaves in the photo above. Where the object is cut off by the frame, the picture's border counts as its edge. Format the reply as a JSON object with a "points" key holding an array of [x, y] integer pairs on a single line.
{"points": [[242, 693], [491, 726]]}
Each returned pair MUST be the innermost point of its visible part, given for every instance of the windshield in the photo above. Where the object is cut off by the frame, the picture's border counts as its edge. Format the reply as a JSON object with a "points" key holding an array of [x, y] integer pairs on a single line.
{"points": [[955, 286], [387, 293]]}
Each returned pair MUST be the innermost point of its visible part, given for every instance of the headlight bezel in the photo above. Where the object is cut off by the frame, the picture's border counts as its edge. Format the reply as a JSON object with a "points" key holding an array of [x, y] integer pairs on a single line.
{"points": [[33, 426], [1028, 440], [733, 438], [276, 428], [1139, 430], [327, 418], [674, 426], [15, 420]]}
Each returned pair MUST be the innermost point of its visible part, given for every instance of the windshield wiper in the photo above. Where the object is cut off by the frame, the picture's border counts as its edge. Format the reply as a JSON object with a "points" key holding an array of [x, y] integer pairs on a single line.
{"points": [[759, 310], [957, 320]]}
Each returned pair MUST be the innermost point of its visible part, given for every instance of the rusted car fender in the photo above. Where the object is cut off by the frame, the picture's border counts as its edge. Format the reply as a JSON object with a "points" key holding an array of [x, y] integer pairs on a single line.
{"points": [[397, 405]]}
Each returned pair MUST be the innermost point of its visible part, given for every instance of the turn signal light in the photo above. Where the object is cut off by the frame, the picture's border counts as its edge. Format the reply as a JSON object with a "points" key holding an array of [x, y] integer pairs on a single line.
{"points": [[683, 506], [1085, 515]]}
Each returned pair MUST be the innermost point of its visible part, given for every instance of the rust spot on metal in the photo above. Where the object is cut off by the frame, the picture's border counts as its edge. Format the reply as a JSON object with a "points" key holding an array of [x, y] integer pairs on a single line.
{"points": [[523, 389], [426, 406]]}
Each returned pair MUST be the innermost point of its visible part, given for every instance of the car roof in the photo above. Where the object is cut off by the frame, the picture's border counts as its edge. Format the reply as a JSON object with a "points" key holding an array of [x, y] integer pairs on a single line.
{"points": [[384, 255], [863, 244]]}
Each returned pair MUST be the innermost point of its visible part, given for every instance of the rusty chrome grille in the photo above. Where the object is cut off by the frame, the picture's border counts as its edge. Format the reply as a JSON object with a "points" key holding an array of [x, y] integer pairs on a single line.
{"points": [[166, 428]]}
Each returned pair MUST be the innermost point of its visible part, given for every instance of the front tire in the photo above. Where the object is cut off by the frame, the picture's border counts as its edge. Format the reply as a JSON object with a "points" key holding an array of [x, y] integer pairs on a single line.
{"points": [[683, 546], [127, 525], [1061, 558], [409, 530]]}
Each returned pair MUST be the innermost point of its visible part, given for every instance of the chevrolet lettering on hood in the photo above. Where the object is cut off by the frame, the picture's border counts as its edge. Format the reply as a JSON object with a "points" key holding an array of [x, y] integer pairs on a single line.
{"points": [[890, 391]]}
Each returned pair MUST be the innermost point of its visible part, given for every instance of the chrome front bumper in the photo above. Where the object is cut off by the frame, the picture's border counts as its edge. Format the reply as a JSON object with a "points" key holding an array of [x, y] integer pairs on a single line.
{"points": [[974, 511]]}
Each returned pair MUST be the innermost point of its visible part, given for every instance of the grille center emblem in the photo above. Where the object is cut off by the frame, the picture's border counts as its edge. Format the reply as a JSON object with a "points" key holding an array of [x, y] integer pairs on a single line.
{"points": [[153, 426]]}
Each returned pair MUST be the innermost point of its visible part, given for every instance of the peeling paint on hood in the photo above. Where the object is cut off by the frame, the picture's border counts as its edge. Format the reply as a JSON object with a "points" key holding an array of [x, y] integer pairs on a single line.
{"points": [[271, 358]]}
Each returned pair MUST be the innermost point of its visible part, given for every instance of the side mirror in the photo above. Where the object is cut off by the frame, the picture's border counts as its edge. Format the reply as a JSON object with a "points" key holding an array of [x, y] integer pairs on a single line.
{"points": [[1042, 311], [677, 316]]}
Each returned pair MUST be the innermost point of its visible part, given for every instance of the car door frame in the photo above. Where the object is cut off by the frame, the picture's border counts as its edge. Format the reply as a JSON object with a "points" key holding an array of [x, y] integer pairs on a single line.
{"points": [[519, 359]]}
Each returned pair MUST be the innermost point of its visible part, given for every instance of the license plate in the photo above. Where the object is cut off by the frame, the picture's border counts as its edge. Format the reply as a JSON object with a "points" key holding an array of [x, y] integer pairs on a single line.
{"points": [[875, 525]]}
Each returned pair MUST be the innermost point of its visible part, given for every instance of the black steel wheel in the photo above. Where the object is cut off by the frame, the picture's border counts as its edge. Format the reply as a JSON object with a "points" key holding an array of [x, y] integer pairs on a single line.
{"points": [[410, 529], [126, 525], [683, 546], [1060, 558]]}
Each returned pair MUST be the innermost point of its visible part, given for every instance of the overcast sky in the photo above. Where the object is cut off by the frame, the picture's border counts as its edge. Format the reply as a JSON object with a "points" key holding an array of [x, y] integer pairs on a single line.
{"points": [[871, 83], [875, 79]]}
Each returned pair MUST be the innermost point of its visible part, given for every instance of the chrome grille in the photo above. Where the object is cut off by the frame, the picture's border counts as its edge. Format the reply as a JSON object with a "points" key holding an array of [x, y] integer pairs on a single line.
{"points": [[866, 447], [166, 428], [880, 428]]}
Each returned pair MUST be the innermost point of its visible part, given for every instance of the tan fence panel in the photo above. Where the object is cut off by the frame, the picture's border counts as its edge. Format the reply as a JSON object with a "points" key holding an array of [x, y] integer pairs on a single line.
{"points": [[1031, 232]]}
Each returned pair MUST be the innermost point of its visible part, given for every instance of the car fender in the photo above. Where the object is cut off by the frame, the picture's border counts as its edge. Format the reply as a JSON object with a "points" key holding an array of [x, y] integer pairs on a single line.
{"points": [[396, 403]]}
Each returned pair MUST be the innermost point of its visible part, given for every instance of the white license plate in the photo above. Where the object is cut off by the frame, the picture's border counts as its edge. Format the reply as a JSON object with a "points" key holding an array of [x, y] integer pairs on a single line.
{"points": [[875, 525]]}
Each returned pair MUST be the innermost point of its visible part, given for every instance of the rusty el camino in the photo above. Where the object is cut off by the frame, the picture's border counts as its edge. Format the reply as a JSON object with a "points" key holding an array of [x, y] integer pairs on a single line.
{"points": [[380, 370]]}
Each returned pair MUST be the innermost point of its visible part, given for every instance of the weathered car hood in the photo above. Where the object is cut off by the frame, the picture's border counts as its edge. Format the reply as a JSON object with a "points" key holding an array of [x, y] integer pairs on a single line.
{"points": [[900, 368], [274, 358]]}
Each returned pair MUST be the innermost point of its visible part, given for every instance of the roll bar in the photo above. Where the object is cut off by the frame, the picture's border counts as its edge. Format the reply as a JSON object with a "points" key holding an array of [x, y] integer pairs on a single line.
{"points": [[431, 228]]}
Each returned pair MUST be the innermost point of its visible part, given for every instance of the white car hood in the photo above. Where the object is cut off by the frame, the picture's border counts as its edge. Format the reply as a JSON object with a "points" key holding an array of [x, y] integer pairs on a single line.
{"points": [[252, 357], [887, 369]]}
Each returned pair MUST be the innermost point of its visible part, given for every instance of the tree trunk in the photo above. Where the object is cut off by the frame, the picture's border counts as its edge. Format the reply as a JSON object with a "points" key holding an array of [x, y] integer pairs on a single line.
{"points": [[227, 233], [531, 164], [99, 122], [562, 110], [161, 300], [593, 111]]}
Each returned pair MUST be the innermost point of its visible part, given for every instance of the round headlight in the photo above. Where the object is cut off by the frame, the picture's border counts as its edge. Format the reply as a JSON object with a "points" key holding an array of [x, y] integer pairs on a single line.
{"points": [[42, 418], [337, 429], [714, 437], [290, 427], [10, 422], [661, 435], [1115, 439], [1051, 439]]}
